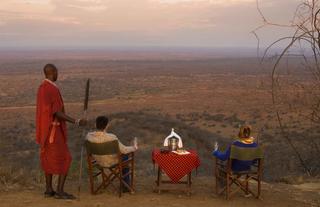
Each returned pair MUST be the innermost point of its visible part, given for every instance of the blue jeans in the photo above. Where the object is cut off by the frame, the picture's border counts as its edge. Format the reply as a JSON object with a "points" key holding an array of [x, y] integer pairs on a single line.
{"points": [[126, 170]]}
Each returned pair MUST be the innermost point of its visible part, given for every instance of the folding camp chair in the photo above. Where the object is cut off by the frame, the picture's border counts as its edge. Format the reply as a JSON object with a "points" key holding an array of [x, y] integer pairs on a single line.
{"points": [[109, 174], [226, 177]]}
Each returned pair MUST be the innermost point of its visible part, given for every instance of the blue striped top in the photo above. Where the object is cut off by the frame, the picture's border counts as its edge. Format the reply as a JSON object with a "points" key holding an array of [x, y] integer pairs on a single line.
{"points": [[237, 165]]}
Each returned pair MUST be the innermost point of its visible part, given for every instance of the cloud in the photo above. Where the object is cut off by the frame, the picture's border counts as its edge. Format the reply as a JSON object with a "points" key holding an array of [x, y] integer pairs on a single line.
{"points": [[81, 5], [2, 23], [89, 8], [172, 22], [215, 2], [120, 14], [26, 6], [144, 15]]}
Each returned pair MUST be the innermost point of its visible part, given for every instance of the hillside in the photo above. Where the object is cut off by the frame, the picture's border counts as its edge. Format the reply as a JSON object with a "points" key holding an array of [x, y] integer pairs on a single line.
{"points": [[204, 100]]}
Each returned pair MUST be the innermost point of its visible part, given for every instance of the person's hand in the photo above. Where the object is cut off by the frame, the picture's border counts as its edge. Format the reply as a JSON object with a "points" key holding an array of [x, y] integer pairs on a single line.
{"points": [[135, 143], [83, 122], [216, 146]]}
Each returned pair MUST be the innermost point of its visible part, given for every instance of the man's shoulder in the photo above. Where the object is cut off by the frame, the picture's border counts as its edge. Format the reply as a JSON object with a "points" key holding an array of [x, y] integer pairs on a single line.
{"points": [[111, 135], [45, 85], [98, 136]]}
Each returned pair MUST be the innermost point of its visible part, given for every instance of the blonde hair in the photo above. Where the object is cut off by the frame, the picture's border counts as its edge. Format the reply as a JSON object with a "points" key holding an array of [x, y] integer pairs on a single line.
{"points": [[244, 131]]}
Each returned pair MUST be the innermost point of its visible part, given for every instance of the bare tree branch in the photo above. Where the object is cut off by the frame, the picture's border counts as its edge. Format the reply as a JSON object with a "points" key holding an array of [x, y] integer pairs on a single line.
{"points": [[306, 34]]}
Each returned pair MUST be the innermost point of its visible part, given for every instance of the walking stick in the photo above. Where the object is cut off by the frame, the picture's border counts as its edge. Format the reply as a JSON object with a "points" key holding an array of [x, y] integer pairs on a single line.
{"points": [[85, 109]]}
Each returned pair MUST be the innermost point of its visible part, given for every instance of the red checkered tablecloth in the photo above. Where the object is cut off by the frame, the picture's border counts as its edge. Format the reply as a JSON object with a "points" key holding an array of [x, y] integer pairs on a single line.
{"points": [[174, 165]]}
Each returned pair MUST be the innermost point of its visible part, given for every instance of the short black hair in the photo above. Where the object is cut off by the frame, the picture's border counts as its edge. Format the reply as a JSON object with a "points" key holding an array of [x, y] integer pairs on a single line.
{"points": [[49, 66], [101, 122]]}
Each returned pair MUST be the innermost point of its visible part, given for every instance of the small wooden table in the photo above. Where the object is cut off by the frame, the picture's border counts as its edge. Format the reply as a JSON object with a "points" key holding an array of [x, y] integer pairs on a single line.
{"points": [[175, 167]]}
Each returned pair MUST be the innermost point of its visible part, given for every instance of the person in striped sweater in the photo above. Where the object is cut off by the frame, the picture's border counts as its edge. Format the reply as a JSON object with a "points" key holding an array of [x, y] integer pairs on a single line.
{"points": [[244, 141]]}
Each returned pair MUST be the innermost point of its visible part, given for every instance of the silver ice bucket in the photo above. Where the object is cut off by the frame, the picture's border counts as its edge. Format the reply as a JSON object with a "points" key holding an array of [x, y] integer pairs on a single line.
{"points": [[173, 144]]}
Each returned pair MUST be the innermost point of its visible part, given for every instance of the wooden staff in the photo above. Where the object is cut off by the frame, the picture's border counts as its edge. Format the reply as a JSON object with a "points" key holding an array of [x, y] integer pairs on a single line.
{"points": [[83, 134]]}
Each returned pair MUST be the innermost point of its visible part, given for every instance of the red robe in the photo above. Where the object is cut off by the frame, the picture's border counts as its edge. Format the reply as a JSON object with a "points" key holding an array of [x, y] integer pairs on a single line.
{"points": [[51, 133]]}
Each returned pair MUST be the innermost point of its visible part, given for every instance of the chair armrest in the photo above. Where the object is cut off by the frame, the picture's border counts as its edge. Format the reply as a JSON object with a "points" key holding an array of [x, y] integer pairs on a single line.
{"points": [[130, 154], [221, 167], [221, 162], [130, 159]]}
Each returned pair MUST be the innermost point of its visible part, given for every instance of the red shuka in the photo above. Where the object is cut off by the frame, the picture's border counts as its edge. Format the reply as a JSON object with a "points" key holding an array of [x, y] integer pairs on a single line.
{"points": [[51, 134]]}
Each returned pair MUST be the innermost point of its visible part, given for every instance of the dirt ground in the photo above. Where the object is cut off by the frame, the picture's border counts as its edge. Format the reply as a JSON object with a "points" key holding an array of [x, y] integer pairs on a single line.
{"points": [[307, 194]]}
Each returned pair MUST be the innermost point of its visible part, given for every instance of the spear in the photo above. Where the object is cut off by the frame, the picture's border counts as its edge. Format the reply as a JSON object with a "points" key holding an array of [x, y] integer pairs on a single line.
{"points": [[85, 109]]}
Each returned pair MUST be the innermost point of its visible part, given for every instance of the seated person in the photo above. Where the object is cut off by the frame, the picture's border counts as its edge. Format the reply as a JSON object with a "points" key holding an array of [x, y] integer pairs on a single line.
{"points": [[101, 136], [244, 141]]}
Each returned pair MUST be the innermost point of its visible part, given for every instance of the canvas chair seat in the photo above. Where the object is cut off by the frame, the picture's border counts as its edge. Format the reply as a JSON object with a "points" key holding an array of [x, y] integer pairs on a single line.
{"points": [[111, 173], [226, 177]]}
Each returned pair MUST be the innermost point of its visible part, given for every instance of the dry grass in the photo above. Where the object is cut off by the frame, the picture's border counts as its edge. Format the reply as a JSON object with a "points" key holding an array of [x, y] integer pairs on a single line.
{"points": [[202, 100]]}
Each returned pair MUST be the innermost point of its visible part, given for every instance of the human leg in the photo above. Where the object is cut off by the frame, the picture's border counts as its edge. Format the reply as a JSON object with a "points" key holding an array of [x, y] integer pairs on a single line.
{"points": [[60, 189], [49, 190], [61, 181], [126, 171]]}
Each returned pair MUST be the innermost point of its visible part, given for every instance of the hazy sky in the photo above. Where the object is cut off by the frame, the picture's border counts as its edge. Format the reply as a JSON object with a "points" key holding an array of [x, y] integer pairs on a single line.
{"points": [[137, 23]]}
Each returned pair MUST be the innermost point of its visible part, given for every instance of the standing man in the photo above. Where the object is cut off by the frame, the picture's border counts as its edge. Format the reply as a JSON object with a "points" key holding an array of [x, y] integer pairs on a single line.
{"points": [[51, 133]]}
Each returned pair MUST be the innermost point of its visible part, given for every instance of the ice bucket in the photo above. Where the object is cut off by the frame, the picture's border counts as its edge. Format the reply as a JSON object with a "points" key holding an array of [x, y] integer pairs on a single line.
{"points": [[173, 144]]}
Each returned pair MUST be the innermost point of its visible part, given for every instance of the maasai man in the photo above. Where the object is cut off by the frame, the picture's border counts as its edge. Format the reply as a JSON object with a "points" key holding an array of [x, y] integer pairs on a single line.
{"points": [[51, 133]]}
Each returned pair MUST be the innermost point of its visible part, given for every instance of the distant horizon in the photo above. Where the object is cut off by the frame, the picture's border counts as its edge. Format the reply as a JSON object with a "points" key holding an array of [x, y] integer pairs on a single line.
{"points": [[127, 48], [142, 53], [154, 52]]}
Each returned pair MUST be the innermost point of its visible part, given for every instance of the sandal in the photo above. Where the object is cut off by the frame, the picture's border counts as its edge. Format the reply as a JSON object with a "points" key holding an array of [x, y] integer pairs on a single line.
{"points": [[49, 194], [64, 195]]}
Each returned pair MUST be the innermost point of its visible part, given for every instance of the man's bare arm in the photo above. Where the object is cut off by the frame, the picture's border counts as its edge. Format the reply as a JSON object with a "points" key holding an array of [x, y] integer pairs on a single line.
{"points": [[62, 116]]}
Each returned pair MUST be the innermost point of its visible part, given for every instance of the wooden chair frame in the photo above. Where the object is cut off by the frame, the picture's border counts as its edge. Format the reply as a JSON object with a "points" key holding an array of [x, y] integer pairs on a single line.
{"points": [[109, 174], [160, 181], [226, 177]]}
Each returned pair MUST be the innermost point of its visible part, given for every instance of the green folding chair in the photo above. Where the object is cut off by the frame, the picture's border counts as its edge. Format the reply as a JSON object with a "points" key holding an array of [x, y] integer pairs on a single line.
{"points": [[225, 177], [109, 174]]}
